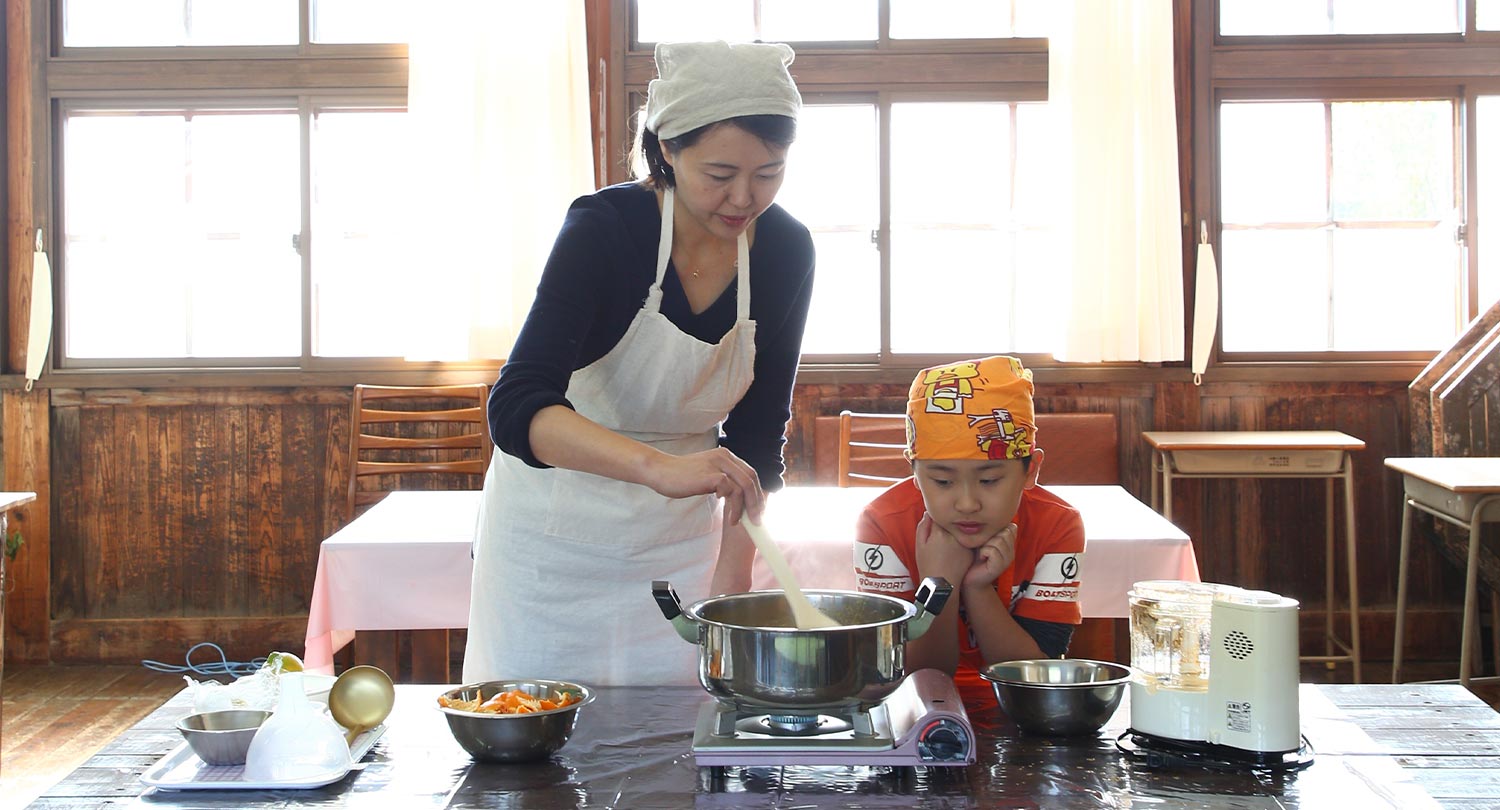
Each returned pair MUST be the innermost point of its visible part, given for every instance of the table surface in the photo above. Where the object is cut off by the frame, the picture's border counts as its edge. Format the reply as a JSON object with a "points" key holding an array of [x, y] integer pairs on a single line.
{"points": [[1455, 474], [1376, 746], [1251, 440], [10, 500], [417, 544]]}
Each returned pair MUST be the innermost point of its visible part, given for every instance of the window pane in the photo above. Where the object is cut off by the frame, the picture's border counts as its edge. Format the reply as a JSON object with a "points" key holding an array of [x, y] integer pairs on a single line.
{"points": [[1335, 276], [691, 20], [952, 238], [969, 19], [1488, 164], [1488, 15], [1273, 161], [832, 186], [1046, 287], [143, 23], [1313, 17], [950, 19], [185, 250], [1393, 160], [825, 20], [361, 231], [362, 20], [1275, 290], [1396, 289]]}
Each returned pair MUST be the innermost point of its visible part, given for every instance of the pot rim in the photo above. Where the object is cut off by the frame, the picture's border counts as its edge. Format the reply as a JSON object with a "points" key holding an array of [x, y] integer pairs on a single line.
{"points": [[908, 609]]}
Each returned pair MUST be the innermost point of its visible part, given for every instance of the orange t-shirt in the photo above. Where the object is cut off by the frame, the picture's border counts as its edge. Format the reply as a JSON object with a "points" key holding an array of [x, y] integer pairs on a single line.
{"points": [[1042, 582]]}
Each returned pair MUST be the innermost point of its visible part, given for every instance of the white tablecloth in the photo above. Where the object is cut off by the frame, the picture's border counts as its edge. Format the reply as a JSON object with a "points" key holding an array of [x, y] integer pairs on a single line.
{"points": [[405, 564]]}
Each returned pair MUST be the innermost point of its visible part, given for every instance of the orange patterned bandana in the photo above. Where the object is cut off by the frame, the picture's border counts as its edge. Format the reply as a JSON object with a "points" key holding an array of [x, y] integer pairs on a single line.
{"points": [[979, 409]]}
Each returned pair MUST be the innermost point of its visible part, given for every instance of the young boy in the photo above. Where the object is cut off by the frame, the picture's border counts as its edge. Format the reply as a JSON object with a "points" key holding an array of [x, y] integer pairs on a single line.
{"points": [[973, 514]]}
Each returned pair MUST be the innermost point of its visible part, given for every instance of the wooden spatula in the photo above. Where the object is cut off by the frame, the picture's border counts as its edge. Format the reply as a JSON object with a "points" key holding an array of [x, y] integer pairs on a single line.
{"points": [[804, 614]]}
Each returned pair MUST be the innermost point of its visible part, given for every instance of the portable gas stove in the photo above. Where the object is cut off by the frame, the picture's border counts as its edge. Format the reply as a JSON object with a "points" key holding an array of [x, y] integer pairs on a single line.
{"points": [[922, 723]]}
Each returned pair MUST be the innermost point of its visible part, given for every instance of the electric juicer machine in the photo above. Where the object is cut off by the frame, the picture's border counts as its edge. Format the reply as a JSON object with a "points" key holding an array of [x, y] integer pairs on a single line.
{"points": [[1216, 674]]}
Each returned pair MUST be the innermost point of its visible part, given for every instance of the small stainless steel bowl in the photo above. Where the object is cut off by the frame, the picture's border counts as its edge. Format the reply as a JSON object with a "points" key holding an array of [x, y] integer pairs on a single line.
{"points": [[222, 738], [514, 737], [1058, 697]]}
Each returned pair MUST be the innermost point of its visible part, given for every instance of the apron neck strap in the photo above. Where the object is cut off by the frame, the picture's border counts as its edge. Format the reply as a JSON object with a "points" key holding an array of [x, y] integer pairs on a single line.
{"points": [[664, 255], [663, 249], [742, 263]]}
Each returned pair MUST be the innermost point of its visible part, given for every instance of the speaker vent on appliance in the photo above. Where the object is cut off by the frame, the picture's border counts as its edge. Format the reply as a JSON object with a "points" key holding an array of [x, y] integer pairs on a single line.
{"points": [[1239, 645]]}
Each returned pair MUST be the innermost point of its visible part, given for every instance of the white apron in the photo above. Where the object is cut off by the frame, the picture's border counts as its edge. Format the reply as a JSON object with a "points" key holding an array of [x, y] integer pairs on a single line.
{"points": [[563, 560]]}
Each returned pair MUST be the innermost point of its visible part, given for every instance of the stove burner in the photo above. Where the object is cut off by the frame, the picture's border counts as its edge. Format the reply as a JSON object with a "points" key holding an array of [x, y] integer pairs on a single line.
{"points": [[793, 725], [922, 723]]}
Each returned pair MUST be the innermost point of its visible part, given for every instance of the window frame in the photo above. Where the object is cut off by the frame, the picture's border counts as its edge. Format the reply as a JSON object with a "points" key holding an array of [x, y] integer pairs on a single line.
{"points": [[1338, 67], [308, 77], [882, 72], [824, 70]]}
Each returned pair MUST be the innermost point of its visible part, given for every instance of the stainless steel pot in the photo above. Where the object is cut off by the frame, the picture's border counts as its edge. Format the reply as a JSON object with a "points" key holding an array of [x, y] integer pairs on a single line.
{"points": [[752, 655]]}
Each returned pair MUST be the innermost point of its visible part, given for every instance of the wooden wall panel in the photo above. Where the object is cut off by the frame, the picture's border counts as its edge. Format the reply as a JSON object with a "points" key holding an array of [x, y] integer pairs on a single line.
{"points": [[28, 577], [176, 506], [199, 513]]}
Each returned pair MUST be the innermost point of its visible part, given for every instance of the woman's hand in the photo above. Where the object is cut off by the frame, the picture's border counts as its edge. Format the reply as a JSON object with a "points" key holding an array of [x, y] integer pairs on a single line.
{"points": [[939, 554], [711, 472], [991, 559]]}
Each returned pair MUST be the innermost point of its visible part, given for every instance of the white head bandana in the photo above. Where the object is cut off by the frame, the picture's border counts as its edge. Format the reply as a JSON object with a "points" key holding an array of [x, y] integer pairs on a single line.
{"points": [[701, 83]]}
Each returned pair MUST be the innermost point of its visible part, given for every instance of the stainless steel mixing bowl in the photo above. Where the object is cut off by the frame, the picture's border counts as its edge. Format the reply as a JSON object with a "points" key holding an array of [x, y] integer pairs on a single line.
{"points": [[1058, 697], [222, 738], [514, 737]]}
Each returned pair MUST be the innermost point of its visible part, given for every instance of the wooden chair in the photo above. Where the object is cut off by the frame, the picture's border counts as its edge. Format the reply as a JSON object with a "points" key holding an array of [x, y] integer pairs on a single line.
{"points": [[402, 431], [1082, 448], [872, 449]]}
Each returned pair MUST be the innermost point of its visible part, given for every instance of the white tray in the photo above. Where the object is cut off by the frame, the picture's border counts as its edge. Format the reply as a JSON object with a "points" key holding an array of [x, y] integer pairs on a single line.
{"points": [[181, 769]]}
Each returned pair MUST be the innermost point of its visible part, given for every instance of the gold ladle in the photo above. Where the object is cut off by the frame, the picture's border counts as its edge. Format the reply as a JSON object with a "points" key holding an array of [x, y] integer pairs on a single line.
{"points": [[361, 699]]}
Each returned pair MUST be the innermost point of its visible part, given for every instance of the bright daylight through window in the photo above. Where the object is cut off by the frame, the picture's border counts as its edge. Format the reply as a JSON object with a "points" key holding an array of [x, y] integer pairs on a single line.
{"points": [[1352, 216], [1327, 209]]}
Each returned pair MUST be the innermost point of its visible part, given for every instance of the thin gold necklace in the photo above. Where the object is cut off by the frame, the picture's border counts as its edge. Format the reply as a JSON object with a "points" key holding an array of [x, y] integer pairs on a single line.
{"points": [[735, 266]]}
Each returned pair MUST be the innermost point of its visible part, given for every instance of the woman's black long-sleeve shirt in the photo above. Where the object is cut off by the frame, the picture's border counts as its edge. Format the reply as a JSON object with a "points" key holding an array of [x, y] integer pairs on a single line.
{"points": [[596, 280]]}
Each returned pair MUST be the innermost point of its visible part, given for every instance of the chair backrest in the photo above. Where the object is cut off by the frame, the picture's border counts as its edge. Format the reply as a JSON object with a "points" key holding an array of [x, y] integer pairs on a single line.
{"points": [[1082, 448], [438, 433], [872, 449]]}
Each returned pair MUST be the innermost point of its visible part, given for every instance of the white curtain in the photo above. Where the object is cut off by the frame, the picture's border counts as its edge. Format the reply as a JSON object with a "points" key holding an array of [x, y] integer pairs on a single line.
{"points": [[1111, 94], [498, 102]]}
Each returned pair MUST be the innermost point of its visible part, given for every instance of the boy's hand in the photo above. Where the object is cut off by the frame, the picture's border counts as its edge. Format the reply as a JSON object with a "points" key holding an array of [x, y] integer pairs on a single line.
{"points": [[991, 559], [939, 554]]}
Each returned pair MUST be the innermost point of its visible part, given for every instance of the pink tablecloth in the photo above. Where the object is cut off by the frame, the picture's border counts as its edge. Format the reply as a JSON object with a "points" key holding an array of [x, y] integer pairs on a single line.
{"points": [[402, 565], [405, 564]]}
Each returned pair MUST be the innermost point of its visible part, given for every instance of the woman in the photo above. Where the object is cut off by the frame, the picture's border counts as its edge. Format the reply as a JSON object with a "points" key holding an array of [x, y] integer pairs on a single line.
{"points": [[670, 311]]}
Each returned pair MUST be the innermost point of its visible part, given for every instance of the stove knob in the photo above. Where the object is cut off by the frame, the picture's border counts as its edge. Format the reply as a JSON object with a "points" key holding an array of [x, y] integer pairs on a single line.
{"points": [[943, 740]]}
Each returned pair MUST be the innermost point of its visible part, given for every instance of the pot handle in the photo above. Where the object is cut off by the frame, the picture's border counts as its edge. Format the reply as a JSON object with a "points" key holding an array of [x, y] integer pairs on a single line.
{"points": [[932, 595], [671, 607]]}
